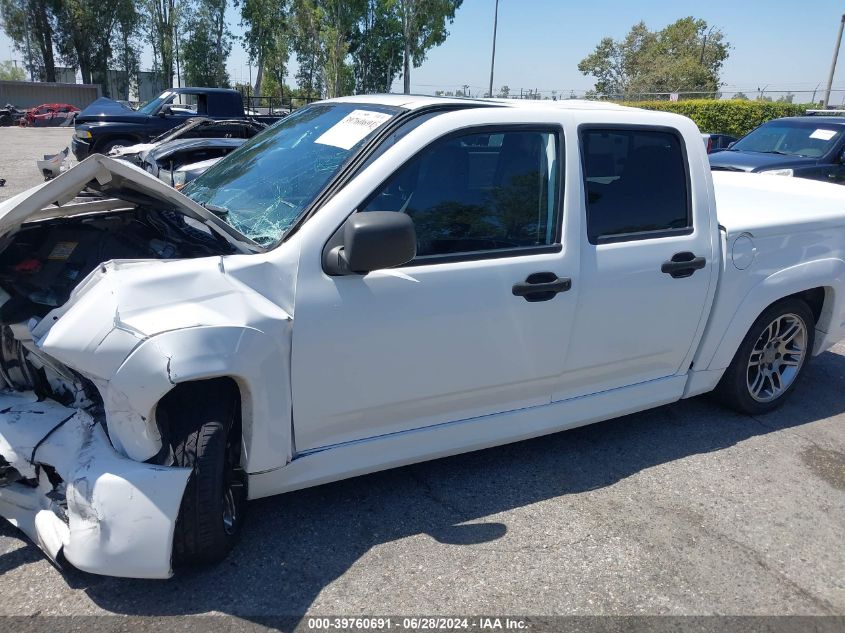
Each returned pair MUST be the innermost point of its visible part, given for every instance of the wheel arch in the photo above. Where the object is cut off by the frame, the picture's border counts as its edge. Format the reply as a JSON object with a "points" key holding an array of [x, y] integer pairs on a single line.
{"points": [[244, 359], [225, 388], [108, 137], [818, 283]]}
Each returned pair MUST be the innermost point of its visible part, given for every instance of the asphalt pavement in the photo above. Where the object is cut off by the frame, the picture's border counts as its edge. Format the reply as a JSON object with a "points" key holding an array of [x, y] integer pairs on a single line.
{"points": [[686, 509]]}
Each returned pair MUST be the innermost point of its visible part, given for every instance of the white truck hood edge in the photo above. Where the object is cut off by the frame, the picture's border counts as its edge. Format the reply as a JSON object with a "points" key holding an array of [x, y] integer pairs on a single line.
{"points": [[37, 203]]}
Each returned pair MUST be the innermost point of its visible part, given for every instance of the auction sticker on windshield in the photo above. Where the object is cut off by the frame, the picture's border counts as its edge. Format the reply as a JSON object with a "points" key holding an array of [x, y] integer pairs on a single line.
{"points": [[824, 135], [352, 128]]}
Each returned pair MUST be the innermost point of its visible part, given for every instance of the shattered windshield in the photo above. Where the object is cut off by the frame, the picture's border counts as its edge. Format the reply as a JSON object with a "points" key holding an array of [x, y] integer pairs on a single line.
{"points": [[263, 187]]}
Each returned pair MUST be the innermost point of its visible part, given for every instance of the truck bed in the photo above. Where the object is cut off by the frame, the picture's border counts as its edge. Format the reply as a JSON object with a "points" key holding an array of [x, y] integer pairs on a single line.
{"points": [[772, 205]]}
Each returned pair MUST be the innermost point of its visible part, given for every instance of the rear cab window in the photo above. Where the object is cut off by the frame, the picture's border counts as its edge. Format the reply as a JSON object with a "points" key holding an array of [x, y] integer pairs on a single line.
{"points": [[636, 183]]}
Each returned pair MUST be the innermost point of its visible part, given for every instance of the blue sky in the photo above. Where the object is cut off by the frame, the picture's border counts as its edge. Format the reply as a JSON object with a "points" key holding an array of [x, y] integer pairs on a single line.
{"points": [[783, 45]]}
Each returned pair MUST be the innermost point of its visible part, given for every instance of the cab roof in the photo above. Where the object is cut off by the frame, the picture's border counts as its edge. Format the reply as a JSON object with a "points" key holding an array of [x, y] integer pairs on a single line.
{"points": [[413, 102]]}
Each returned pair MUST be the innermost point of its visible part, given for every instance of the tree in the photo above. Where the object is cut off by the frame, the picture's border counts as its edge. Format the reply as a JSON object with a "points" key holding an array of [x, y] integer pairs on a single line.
{"points": [[684, 56], [10, 72], [161, 21], [376, 48], [206, 45], [740, 96], [266, 35], [423, 27], [30, 24], [127, 50], [307, 45], [504, 92], [84, 37], [339, 21]]}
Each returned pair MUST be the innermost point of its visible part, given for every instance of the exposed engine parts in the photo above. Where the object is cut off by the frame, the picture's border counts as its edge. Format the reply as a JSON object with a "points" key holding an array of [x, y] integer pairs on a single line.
{"points": [[41, 264]]}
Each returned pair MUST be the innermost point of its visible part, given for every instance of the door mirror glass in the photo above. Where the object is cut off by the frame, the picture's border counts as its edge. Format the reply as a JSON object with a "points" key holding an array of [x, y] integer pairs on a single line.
{"points": [[373, 241], [731, 144], [166, 110]]}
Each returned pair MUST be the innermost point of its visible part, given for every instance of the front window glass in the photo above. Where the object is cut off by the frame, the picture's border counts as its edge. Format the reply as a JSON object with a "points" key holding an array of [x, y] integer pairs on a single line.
{"points": [[805, 139], [263, 187], [478, 192], [152, 105]]}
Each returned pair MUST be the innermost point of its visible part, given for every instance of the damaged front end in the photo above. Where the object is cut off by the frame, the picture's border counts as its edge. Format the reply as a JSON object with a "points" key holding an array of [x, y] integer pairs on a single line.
{"points": [[75, 486]]}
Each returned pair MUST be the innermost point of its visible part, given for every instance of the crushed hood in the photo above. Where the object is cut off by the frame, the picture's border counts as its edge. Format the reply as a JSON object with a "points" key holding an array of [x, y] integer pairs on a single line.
{"points": [[163, 150], [131, 150], [114, 178]]}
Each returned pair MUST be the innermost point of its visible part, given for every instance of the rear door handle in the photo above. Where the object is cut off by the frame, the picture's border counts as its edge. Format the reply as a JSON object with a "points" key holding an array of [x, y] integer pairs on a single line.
{"points": [[683, 265], [541, 286]]}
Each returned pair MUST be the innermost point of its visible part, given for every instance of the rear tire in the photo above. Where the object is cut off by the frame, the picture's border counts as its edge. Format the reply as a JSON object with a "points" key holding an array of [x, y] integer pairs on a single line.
{"points": [[204, 438], [770, 359]]}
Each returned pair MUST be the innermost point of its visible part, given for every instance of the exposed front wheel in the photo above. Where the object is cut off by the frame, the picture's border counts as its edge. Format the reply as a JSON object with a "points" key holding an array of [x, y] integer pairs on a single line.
{"points": [[770, 359], [205, 439]]}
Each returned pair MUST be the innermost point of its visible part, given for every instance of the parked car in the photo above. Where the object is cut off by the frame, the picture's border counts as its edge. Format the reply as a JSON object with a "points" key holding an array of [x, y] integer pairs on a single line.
{"points": [[377, 281], [10, 115], [50, 115], [197, 127], [163, 160], [181, 176], [805, 147], [717, 142], [107, 124]]}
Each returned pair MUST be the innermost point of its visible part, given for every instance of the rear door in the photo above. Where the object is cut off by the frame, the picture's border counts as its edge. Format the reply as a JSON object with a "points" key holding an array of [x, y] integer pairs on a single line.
{"points": [[647, 258], [478, 323]]}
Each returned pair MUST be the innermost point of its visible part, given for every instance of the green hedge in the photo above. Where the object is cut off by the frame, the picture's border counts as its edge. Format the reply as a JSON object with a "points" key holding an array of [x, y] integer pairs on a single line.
{"points": [[735, 117]]}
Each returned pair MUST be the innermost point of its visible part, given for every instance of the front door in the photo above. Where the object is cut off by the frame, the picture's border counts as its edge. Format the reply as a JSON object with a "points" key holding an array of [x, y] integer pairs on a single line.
{"points": [[477, 324]]}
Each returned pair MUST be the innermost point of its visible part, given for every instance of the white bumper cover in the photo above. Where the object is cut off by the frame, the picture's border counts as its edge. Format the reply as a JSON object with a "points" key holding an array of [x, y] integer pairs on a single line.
{"points": [[120, 514]]}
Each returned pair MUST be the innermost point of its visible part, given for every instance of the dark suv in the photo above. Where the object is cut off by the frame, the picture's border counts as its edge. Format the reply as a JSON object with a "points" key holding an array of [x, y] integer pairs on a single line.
{"points": [[804, 147]]}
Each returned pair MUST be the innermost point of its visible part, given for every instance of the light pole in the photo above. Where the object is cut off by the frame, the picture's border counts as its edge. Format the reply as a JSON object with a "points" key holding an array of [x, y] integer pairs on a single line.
{"points": [[493, 58], [833, 63]]}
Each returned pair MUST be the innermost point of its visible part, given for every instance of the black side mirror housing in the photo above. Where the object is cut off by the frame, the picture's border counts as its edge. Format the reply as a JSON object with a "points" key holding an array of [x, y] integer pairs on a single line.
{"points": [[165, 111], [371, 241]]}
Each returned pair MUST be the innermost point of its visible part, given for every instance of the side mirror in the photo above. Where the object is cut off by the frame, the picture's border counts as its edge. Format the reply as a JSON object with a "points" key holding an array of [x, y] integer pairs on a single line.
{"points": [[371, 241], [166, 110], [731, 144]]}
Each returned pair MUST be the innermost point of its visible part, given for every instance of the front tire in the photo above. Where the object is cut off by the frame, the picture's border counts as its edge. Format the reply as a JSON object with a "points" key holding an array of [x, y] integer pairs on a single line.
{"points": [[770, 359], [205, 439], [108, 146]]}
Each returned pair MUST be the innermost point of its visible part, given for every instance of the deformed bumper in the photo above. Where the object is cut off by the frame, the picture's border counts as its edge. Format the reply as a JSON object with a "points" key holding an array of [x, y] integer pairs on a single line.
{"points": [[104, 513]]}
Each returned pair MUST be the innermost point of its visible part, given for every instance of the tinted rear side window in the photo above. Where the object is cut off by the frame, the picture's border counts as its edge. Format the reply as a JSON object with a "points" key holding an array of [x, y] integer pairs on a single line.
{"points": [[636, 184]]}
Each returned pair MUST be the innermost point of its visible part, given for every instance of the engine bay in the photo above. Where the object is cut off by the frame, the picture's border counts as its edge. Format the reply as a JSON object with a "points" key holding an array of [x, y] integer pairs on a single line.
{"points": [[44, 261]]}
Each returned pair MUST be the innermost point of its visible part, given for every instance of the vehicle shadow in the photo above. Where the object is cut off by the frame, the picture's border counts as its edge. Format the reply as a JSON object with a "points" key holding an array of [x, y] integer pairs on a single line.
{"points": [[295, 545]]}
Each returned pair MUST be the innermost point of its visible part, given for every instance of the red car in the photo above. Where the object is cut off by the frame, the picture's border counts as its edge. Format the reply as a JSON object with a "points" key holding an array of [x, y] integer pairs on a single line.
{"points": [[50, 115]]}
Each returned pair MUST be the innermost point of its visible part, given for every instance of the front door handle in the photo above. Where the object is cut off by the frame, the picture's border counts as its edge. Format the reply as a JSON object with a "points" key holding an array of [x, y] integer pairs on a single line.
{"points": [[541, 286], [683, 265]]}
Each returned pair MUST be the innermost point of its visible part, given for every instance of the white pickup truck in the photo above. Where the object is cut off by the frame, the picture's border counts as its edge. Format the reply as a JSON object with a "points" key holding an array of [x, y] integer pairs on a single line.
{"points": [[376, 281]]}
